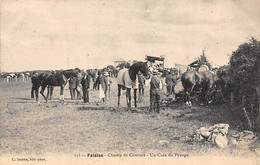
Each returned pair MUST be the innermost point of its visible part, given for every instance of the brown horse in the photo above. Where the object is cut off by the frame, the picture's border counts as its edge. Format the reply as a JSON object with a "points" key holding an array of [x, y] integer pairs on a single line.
{"points": [[126, 79], [194, 80], [58, 79], [37, 81], [50, 80]]}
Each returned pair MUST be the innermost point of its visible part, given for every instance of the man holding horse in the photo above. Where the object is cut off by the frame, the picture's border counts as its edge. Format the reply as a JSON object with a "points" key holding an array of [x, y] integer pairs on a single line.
{"points": [[155, 92]]}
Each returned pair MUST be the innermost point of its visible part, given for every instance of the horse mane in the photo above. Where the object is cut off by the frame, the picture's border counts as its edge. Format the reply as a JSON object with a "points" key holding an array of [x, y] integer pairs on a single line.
{"points": [[70, 73]]}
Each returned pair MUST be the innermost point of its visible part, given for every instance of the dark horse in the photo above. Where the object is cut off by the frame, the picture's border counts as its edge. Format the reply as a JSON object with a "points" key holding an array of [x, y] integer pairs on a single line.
{"points": [[194, 80], [54, 79], [126, 79], [37, 81]]}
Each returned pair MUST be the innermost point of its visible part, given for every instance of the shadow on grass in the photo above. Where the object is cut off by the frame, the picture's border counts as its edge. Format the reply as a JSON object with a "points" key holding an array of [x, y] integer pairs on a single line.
{"points": [[22, 98], [224, 113], [143, 109]]}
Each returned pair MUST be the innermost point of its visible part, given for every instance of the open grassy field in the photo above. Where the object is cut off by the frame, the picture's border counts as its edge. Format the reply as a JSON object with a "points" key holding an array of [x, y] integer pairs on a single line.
{"points": [[32, 128]]}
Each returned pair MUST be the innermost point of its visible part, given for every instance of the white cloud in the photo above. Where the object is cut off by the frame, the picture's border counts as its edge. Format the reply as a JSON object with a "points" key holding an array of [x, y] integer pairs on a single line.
{"points": [[93, 33]]}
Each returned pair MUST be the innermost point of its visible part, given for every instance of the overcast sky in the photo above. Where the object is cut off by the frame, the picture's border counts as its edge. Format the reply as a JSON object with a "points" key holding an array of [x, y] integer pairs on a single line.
{"points": [[43, 34]]}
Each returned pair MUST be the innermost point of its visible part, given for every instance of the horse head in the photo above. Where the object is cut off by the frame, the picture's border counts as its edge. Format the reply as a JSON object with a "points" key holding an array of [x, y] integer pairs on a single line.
{"points": [[139, 66], [71, 73], [146, 70]]}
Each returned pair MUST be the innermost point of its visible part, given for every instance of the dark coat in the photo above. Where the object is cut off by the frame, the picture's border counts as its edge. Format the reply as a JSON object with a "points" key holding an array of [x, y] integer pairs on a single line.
{"points": [[171, 80], [103, 82], [33, 78], [85, 82], [155, 83]]}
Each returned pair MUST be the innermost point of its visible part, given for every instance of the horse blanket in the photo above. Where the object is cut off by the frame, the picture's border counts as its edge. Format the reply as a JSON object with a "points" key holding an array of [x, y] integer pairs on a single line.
{"points": [[123, 78]]}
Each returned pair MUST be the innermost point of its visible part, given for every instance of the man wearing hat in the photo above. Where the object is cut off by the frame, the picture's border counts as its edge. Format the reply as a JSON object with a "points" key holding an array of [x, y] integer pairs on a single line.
{"points": [[155, 92], [85, 82], [102, 81], [107, 92]]}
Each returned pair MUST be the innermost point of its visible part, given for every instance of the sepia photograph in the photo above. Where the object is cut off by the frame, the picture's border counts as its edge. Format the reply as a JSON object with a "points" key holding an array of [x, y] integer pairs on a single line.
{"points": [[129, 82]]}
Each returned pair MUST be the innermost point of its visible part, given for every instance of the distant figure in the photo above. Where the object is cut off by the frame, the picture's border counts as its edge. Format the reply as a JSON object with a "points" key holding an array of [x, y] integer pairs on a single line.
{"points": [[78, 86], [171, 80], [72, 87], [155, 92], [109, 82], [85, 82], [102, 86], [141, 83], [95, 83]]}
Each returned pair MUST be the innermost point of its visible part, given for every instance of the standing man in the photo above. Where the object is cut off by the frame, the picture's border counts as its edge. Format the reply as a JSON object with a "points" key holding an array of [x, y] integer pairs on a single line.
{"points": [[171, 80], [155, 92], [103, 87], [78, 85], [109, 82], [141, 81], [72, 87], [85, 82], [95, 76], [169, 83]]}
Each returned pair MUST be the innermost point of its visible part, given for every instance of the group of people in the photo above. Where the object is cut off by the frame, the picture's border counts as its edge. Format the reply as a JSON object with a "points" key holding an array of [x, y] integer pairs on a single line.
{"points": [[102, 83], [156, 86]]}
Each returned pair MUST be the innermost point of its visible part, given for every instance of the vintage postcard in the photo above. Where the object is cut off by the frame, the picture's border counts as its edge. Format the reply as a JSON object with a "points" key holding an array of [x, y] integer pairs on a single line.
{"points": [[129, 82]]}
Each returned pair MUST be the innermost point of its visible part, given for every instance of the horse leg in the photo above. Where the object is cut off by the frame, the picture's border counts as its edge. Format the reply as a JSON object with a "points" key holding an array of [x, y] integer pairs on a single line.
{"points": [[78, 93], [36, 90], [118, 95], [135, 90], [51, 91], [129, 97], [61, 94], [32, 91], [42, 92], [48, 92], [189, 95], [186, 96], [206, 97]]}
